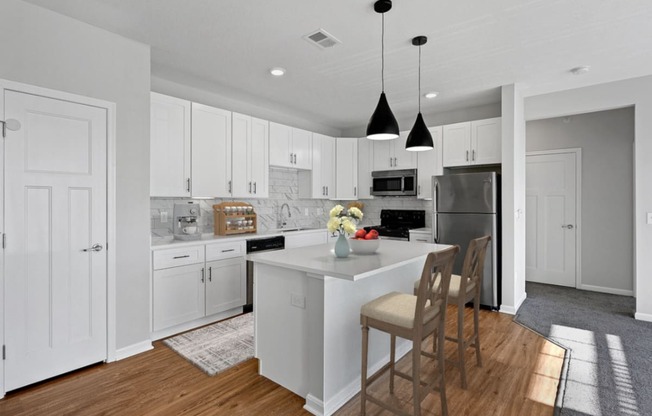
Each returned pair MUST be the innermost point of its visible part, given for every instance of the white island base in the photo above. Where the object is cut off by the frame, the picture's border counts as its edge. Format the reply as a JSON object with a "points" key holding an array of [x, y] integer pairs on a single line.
{"points": [[307, 316]]}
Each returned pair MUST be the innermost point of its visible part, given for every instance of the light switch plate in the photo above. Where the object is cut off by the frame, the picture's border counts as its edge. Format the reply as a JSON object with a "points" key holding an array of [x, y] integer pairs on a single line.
{"points": [[164, 216], [649, 217], [298, 300]]}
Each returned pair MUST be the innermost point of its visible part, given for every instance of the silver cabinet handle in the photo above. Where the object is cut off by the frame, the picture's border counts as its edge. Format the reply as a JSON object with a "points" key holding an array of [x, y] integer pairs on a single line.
{"points": [[327, 191], [355, 191], [254, 186], [188, 185], [290, 158], [395, 162], [249, 186], [202, 275], [567, 226], [295, 158], [94, 247], [230, 187], [467, 155], [323, 190], [419, 189], [181, 257], [473, 155], [390, 162], [210, 274], [228, 250]]}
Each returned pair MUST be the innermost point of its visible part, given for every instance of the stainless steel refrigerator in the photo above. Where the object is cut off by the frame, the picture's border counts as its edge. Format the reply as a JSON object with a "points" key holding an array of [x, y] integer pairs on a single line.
{"points": [[467, 206]]}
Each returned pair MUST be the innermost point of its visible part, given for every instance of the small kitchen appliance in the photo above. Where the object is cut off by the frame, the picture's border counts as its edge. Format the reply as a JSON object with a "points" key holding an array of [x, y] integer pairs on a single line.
{"points": [[185, 225]]}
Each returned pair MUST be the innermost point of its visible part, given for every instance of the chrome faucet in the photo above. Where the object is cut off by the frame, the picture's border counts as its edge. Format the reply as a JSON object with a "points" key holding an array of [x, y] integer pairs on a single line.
{"points": [[280, 221]]}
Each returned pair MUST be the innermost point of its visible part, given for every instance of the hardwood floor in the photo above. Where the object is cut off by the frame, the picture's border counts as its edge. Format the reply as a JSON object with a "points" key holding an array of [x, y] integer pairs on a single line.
{"points": [[520, 377]]}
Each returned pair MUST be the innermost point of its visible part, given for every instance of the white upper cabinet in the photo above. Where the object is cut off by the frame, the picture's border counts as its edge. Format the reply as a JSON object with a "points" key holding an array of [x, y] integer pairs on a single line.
{"points": [[429, 164], [169, 146], [472, 143], [319, 183], [365, 165], [250, 146], [391, 154], [289, 147], [211, 152], [347, 168]]}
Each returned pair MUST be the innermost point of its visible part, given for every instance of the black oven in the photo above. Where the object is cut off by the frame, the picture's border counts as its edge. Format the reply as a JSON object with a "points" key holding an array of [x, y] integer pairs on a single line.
{"points": [[394, 182]]}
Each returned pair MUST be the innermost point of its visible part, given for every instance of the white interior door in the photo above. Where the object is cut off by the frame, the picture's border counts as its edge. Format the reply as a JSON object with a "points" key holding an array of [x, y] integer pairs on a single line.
{"points": [[551, 228], [55, 208]]}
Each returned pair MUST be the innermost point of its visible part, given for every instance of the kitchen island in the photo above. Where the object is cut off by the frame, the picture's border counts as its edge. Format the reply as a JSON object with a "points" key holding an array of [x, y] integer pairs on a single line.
{"points": [[307, 315]]}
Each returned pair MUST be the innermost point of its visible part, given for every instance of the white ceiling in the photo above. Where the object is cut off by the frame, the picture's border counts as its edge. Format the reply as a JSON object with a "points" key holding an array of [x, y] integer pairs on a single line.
{"points": [[474, 47]]}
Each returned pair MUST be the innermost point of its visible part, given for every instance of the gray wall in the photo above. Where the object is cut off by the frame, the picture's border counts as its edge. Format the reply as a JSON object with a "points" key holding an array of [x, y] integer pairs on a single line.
{"points": [[46, 49], [606, 139]]}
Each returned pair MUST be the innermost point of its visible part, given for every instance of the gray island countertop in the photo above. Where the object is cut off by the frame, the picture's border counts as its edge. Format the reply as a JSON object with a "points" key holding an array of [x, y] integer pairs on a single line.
{"points": [[320, 259]]}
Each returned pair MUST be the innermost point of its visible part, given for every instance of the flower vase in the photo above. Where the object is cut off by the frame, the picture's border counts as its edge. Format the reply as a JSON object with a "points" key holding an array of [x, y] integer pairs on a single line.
{"points": [[342, 247]]}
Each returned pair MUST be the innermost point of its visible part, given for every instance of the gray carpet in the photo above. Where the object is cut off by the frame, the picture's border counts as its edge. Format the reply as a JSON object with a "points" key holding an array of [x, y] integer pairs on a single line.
{"points": [[217, 347], [609, 354]]}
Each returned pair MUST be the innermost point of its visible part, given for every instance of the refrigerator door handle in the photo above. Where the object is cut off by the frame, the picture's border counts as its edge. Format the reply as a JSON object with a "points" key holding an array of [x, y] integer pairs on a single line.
{"points": [[435, 199]]}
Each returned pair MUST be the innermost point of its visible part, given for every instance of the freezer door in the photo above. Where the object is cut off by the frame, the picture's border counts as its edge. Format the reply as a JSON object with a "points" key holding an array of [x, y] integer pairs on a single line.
{"points": [[467, 192], [460, 229]]}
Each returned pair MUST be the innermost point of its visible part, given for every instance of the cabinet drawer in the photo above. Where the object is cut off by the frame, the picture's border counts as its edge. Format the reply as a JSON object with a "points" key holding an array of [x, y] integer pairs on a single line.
{"points": [[226, 250], [174, 257]]}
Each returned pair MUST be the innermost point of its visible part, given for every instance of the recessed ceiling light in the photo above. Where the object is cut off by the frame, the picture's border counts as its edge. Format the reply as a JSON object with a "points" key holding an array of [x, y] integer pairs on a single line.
{"points": [[580, 70], [277, 72], [431, 94]]}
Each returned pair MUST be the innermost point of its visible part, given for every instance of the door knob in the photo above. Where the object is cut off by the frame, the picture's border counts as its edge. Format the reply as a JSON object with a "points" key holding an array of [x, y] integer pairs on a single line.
{"points": [[567, 226], [94, 247]]}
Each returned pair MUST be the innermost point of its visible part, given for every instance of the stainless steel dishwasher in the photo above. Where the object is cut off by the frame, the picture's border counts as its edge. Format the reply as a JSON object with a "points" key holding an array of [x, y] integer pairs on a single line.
{"points": [[253, 246]]}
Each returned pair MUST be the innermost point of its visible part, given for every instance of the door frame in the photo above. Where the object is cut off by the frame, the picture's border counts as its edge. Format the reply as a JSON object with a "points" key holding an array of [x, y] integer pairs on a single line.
{"points": [[577, 152], [110, 207]]}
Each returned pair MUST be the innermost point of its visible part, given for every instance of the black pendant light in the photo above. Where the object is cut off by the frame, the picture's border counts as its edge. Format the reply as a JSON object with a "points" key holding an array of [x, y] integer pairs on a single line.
{"points": [[419, 138], [382, 124]]}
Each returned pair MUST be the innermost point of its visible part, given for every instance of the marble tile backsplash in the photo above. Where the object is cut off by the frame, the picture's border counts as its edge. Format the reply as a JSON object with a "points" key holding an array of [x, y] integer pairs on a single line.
{"points": [[283, 188]]}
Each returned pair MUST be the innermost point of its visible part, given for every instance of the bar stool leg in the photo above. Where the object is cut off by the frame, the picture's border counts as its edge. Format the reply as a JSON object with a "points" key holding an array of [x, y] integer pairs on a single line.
{"points": [[476, 325], [416, 376], [392, 358], [363, 378], [442, 381], [460, 343]]}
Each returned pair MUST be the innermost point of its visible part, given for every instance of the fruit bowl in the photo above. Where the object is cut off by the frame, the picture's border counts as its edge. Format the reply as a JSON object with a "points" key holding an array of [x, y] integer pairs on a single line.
{"points": [[362, 246]]}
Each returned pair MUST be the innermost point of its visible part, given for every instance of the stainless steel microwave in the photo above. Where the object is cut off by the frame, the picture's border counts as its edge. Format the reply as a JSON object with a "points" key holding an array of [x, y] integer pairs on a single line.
{"points": [[394, 182]]}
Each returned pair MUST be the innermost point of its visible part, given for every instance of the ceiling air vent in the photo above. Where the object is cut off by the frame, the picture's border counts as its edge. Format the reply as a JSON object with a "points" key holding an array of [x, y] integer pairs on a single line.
{"points": [[322, 39]]}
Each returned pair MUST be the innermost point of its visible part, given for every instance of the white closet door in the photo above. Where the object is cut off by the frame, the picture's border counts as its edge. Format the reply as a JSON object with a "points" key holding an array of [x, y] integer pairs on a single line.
{"points": [[55, 184]]}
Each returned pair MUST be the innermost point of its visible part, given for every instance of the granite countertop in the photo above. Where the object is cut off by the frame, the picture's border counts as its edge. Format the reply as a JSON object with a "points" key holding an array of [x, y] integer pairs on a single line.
{"points": [[320, 259], [209, 238]]}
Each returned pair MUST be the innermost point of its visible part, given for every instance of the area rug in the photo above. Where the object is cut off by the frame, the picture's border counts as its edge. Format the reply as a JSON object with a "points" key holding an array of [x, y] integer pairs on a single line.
{"points": [[217, 347], [609, 354]]}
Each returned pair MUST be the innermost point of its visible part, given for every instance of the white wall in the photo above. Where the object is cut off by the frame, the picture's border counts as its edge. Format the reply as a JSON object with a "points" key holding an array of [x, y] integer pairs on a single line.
{"points": [[513, 199], [606, 139], [635, 92], [46, 49]]}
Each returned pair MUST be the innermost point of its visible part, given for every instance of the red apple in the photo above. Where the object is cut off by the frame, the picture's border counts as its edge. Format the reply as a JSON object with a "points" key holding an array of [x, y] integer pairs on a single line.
{"points": [[373, 235], [360, 233]]}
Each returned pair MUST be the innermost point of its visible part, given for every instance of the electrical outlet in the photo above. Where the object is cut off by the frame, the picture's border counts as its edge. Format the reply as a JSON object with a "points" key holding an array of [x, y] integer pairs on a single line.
{"points": [[298, 300], [306, 212], [164, 216]]}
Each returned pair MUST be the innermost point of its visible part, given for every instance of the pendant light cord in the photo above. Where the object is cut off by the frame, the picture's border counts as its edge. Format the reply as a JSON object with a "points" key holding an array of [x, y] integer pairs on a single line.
{"points": [[419, 78], [382, 54]]}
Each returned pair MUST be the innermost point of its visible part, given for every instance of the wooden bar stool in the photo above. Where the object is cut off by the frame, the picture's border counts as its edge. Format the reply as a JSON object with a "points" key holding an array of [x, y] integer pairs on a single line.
{"points": [[414, 318], [464, 289]]}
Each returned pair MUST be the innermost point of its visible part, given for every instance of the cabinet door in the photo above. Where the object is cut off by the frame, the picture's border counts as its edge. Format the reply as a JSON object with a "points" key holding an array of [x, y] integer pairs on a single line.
{"points": [[383, 160], [365, 165], [280, 145], [241, 133], [486, 141], [169, 146], [311, 183], [347, 168], [178, 295], [328, 161], [258, 150], [301, 149], [211, 151], [403, 159], [429, 164], [226, 285], [457, 143]]}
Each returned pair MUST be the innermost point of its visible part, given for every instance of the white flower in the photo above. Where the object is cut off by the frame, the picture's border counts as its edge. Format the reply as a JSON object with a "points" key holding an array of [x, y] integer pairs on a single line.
{"points": [[334, 224], [348, 226], [355, 213], [336, 211]]}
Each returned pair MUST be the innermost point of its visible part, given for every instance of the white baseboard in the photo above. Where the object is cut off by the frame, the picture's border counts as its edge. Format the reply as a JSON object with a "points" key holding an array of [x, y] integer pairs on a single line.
{"points": [[511, 310], [318, 407], [132, 350], [643, 316], [610, 290], [186, 326]]}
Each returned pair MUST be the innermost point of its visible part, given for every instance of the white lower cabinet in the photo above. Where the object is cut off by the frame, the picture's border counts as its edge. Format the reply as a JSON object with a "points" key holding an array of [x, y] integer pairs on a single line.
{"points": [[195, 285]]}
